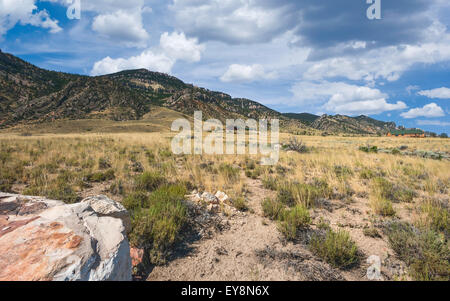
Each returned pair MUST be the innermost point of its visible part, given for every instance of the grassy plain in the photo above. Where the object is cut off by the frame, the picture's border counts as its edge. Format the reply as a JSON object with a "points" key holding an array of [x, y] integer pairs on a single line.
{"points": [[377, 200]]}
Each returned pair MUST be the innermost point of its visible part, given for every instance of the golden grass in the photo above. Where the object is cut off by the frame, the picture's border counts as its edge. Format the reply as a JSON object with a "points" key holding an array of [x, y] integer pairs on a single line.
{"points": [[334, 160], [69, 166]]}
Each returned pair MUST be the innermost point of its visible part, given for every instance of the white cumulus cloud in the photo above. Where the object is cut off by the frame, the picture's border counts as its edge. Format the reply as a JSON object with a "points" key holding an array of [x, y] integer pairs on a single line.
{"points": [[178, 47], [24, 12], [148, 59], [246, 73], [231, 21], [343, 98], [123, 26], [429, 110], [442, 93], [160, 59]]}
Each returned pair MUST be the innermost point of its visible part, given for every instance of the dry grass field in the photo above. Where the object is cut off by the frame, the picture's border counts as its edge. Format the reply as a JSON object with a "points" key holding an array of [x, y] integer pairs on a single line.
{"points": [[333, 200]]}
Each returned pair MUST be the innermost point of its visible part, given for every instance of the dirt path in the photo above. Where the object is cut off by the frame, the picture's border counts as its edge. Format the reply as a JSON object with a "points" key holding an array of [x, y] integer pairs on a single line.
{"points": [[250, 250]]}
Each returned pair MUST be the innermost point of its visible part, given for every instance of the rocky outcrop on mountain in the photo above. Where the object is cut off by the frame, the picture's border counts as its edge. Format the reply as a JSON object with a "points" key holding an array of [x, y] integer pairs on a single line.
{"points": [[352, 125], [46, 240]]}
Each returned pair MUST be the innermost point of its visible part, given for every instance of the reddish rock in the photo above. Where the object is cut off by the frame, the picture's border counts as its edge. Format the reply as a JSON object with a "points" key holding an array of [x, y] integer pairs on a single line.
{"points": [[137, 255], [47, 240]]}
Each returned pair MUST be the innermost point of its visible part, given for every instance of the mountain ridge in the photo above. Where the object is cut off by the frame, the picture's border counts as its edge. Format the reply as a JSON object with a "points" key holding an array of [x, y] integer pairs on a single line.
{"points": [[29, 94]]}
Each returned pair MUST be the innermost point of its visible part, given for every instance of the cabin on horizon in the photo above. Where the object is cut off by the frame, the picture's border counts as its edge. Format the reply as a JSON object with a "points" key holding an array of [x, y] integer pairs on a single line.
{"points": [[416, 133]]}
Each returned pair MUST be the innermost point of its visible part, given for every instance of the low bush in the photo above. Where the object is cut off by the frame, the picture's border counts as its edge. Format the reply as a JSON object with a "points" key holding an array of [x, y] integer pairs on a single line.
{"points": [[136, 200], [240, 204], [98, 177], [286, 197], [272, 209], [309, 194], [396, 151], [369, 149], [253, 173], [382, 207], [149, 181], [336, 248], [423, 250], [296, 145], [158, 227], [270, 183], [293, 220]]}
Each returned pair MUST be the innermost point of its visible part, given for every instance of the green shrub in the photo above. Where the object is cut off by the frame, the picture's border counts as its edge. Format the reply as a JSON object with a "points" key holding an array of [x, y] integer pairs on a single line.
{"points": [[309, 194], [136, 200], [149, 181], [369, 149], [291, 194], [158, 227], [272, 209], [336, 248], [293, 220], [270, 183], [395, 151], [169, 193], [240, 204], [253, 173], [383, 207], [286, 197], [424, 251], [98, 177]]}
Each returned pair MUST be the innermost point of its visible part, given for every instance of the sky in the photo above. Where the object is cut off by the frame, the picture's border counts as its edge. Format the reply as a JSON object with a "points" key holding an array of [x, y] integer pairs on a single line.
{"points": [[316, 56]]}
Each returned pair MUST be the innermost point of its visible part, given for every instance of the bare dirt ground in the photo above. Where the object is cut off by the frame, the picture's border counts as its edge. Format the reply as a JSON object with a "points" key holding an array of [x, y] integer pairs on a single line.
{"points": [[250, 250]]}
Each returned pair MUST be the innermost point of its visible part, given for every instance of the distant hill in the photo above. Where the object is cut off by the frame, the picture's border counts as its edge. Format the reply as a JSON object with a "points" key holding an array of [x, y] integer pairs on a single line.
{"points": [[305, 118], [30, 95], [361, 125]]}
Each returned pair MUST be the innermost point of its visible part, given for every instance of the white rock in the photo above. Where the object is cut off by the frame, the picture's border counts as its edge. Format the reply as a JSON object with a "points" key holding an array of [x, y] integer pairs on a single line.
{"points": [[209, 198], [222, 196], [85, 241]]}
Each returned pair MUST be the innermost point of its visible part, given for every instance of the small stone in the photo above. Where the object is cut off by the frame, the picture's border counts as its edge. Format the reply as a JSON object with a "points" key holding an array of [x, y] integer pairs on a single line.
{"points": [[209, 198], [222, 196]]}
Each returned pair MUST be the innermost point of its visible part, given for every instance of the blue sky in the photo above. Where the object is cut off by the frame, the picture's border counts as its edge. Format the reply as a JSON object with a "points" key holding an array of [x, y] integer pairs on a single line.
{"points": [[317, 56]]}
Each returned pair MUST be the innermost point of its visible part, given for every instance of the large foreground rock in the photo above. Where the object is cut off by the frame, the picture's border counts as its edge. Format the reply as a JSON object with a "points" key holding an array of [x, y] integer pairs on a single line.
{"points": [[42, 239]]}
